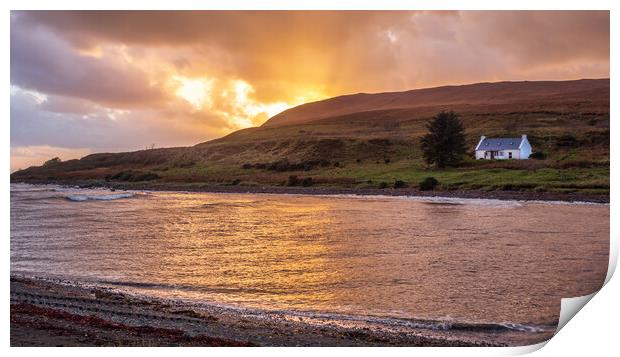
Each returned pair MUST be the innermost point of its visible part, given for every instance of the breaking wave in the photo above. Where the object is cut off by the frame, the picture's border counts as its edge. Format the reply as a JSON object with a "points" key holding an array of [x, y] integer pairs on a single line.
{"points": [[105, 197], [323, 317]]}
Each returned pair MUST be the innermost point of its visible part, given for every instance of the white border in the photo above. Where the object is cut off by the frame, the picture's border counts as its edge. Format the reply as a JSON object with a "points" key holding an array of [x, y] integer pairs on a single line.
{"points": [[593, 329]]}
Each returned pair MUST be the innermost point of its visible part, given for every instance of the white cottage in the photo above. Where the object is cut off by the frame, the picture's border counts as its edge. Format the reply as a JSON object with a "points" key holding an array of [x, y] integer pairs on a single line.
{"points": [[503, 148]]}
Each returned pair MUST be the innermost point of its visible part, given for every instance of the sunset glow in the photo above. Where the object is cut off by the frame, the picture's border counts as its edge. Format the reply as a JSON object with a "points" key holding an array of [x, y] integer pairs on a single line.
{"points": [[232, 99], [194, 76], [196, 92]]}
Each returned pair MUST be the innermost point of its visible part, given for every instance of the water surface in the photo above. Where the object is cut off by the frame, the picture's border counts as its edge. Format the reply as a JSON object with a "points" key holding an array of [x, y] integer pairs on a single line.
{"points": [[455, 260]]}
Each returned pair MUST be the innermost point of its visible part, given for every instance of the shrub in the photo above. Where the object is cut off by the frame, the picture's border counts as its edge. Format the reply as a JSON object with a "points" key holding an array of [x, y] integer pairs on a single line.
{"points": [[235, 182], [380, 142], [122, 176], [584, 164], [337, 164], [428, 184], [51, 162], [567, 140], [383, 185], [285, 165], [184, 164], [598, 137], [538, 155], [282, 165], [400, 184], [292, 181], [149, 176], [134, 176], [518, 186], [387, 161], [307, 182]]}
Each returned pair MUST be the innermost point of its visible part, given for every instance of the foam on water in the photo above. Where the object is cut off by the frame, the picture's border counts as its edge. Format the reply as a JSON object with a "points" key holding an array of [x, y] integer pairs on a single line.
{"points": [[27, 192], [434, 199], [461, 200], [100, 197]]}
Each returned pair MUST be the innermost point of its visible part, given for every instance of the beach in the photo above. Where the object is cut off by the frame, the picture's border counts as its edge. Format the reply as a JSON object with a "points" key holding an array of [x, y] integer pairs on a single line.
{"points": [[47, 313]]}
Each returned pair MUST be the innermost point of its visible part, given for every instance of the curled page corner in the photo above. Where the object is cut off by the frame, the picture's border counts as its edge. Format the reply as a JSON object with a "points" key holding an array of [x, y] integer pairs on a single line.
{"points": [[570, 307], [613, 259], [523, 350]]}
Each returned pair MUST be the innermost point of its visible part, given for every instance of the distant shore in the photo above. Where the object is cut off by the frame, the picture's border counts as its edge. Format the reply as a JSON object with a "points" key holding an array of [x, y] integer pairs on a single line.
{"points": [[322, 190], [50, 313]]}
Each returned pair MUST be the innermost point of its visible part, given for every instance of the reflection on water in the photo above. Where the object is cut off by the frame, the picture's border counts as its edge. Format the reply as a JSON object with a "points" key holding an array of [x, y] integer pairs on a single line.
{"points": [[469, 260]]}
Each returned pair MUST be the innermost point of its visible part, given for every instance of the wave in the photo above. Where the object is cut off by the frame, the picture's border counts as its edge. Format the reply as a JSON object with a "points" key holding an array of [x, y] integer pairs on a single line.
{"points": [[398, 324], [182, 287], [444, 324], [26, 188], [104, 197], [17, 190], [27, 192], [322, 317]]}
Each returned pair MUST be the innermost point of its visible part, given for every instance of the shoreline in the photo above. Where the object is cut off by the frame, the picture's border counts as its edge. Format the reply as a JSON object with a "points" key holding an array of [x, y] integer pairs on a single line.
{"points": [[51, 312], [326, 191]]}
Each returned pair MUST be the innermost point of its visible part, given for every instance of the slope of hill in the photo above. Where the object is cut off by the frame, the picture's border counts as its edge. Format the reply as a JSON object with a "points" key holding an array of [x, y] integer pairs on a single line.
{"points": [[513, 93], [372, 140]]}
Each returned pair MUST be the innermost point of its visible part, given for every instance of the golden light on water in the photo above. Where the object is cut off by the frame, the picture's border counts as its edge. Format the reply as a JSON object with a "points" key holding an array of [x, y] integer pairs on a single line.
{"points": [[349, 256]]}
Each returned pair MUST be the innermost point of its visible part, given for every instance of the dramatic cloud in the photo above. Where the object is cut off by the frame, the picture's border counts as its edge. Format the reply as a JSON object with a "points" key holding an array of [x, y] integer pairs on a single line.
{"points": [[43, 62], [99, 80], [106, 129]]}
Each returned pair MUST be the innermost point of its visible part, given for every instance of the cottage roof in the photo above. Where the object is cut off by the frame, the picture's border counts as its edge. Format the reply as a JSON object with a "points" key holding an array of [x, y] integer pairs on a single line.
{"points": [[499, 144]]}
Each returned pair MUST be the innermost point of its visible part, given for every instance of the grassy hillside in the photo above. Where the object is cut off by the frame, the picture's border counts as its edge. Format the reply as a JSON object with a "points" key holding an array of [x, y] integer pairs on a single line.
{"points": [[373, 140]]}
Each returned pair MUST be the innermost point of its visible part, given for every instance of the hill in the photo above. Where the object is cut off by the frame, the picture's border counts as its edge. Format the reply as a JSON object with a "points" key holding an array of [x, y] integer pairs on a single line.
{"points": [[479, 94], [372, 140]]}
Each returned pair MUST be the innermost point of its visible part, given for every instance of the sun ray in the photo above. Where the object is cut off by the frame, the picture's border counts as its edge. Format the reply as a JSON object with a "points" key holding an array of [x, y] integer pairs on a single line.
{"points": [[196, 91]]}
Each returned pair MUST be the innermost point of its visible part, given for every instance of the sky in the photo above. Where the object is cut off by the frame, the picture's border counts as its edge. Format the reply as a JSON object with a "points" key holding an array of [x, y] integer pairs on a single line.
{"points": [[110, 81]]}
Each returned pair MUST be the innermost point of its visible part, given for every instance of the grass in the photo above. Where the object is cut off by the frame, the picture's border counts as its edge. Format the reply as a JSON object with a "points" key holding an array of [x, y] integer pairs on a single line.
{"points": [[548, 179], [412, 172], [378, 148]]}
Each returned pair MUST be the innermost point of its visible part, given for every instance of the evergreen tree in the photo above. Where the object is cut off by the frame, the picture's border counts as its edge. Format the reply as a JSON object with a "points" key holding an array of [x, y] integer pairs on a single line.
{"points": [[444, 144]]}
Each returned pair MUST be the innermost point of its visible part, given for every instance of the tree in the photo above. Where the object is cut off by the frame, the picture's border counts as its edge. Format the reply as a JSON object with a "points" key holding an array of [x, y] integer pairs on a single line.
{"points": [[444, 144], [53, 161]]}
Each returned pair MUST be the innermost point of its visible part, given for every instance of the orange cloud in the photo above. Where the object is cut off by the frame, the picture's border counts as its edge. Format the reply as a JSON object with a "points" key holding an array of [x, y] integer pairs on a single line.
{"points": [[182, 77]]}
